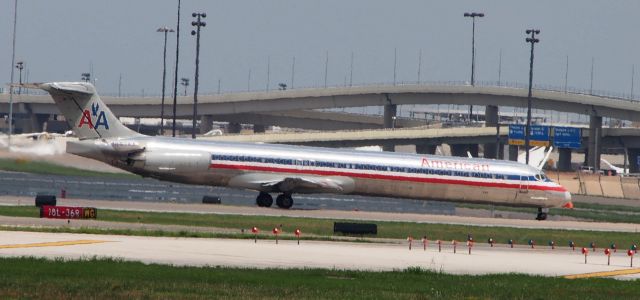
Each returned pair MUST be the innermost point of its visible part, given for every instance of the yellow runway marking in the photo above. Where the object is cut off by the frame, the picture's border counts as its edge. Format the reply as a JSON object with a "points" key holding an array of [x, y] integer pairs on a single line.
{"points": [[52, 244], [604, 274]]}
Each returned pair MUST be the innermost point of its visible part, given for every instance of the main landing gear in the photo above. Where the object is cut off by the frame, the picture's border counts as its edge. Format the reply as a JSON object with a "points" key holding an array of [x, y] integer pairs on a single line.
{"points": [[264, 200], [283, 200], [542, 214]]}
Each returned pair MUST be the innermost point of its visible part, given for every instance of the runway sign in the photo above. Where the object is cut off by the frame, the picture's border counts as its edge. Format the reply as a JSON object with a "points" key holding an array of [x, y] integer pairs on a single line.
{"points": [[567, 137], [67, 212], [539, 135], [516, 135]]}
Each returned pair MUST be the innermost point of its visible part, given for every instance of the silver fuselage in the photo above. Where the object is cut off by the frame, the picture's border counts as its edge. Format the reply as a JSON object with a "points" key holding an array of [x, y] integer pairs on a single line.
{"points": [[248, 166]]}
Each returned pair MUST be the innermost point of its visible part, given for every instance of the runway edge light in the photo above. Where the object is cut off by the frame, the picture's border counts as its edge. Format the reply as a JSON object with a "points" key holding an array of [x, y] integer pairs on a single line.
{"points": [[276, 231], [255, 234], [298, 232], [425, 242], [585, 251]]}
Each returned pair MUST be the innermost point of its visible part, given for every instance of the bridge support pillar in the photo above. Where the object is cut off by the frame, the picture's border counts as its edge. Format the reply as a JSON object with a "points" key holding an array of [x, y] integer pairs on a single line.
{"points": [[513, 152], [634, 153], [491, 120], [595, 142], [474, 149], [390, 111], [564, 159], [38, 121], [206, 123], [389, 147], [425, 149], [234, 127], [585, 162], [259, 128], [461, 150]]}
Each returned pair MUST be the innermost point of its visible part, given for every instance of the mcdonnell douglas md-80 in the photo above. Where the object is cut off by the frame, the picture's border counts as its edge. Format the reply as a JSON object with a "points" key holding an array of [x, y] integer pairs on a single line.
{"points": [[285, 169]]}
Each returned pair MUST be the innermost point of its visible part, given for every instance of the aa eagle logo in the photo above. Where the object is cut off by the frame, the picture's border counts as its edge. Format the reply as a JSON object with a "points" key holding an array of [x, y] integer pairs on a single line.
{"points": [[95, 113]]}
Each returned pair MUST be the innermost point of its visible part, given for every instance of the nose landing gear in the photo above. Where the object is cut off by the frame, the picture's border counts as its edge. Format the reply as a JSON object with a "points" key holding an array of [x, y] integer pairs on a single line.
{"points": [[542, 214]]}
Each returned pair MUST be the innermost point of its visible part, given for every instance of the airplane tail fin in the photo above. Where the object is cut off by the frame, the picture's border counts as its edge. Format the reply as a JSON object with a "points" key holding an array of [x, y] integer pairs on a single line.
{"points": [[87, 115], [538, 157]]}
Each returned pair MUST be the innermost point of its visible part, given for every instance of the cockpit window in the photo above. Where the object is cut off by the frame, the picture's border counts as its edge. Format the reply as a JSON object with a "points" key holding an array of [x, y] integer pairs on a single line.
{"points": [[541, 177]]}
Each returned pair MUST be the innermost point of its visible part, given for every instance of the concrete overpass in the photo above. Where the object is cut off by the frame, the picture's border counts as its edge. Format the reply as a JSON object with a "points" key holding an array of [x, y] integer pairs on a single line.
{"points": [[316, 120], [389, 96], [357, 96]]}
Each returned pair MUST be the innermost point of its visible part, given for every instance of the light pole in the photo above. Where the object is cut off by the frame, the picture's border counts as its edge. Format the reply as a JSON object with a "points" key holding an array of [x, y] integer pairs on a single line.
{"points": [[185, 83], [164, 30], [532, 40], [13, 59], [199, 23], [20, 66], [473, 16], [175, 76]]}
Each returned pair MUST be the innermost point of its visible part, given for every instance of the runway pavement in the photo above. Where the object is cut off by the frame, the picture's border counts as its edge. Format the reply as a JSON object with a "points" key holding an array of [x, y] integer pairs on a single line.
{"points": [[325, 214], [311, 254], [151, 190]]}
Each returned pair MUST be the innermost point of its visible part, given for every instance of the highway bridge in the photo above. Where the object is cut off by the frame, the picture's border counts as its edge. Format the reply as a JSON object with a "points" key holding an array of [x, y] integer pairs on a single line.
{"points": [[247, 104]]}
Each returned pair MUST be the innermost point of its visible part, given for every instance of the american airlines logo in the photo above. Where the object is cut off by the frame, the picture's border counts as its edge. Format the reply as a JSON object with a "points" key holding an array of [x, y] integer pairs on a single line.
{"points": [[95, 114], [454, 165]]}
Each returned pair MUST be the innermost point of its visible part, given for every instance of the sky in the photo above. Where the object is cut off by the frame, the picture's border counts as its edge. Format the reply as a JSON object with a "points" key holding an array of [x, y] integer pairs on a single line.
{"points": [[59, 40]]}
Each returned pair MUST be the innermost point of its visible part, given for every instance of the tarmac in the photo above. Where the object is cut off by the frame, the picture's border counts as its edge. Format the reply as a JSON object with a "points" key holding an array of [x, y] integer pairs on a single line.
{"points": [[315, 254], [375, 255], [322, 214]]}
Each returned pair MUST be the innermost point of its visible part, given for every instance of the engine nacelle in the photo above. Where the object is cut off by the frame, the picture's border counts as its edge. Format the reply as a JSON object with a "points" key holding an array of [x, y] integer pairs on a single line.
{"points": [[176, 162]]}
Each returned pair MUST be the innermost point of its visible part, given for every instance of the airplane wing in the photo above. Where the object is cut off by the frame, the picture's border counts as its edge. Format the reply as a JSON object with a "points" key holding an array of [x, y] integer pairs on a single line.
{"points": [[293, 183]]}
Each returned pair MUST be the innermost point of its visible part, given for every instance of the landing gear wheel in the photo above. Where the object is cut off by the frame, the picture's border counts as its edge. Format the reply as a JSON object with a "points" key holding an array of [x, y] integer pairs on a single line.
{"points": [[284, 201], [542, 214], [264, 200]]}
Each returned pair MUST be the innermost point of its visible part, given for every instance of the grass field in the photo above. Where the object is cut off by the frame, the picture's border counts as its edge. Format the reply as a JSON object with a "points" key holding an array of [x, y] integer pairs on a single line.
{"points": [[324, 228], [115, 279], [41, 167]]}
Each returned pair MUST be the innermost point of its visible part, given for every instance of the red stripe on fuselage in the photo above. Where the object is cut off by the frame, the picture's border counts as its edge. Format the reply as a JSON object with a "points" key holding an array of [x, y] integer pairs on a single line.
{"points": [[385, 177]]}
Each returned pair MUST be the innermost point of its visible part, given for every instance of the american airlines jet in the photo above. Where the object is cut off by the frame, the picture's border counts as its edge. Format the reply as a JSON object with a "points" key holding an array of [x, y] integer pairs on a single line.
{"points": [[286, 170]]}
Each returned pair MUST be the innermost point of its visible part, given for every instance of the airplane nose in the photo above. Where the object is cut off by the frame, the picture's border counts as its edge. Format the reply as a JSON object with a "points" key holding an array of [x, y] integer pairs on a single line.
{"points": [[567, 200]]}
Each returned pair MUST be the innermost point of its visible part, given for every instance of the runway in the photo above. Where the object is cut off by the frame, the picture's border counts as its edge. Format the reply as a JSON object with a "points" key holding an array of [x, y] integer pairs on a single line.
{"points": [[151, 190], [312, 254], [317, 213]]}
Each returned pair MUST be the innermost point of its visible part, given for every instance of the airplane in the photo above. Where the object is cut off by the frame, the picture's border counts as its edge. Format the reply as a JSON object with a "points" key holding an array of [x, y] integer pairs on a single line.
{"points": [[619, 171], [286, 170]]}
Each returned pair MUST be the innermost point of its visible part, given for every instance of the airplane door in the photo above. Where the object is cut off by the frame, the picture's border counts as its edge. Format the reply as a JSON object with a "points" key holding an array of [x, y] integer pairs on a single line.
{"points": [[524, 184]]}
